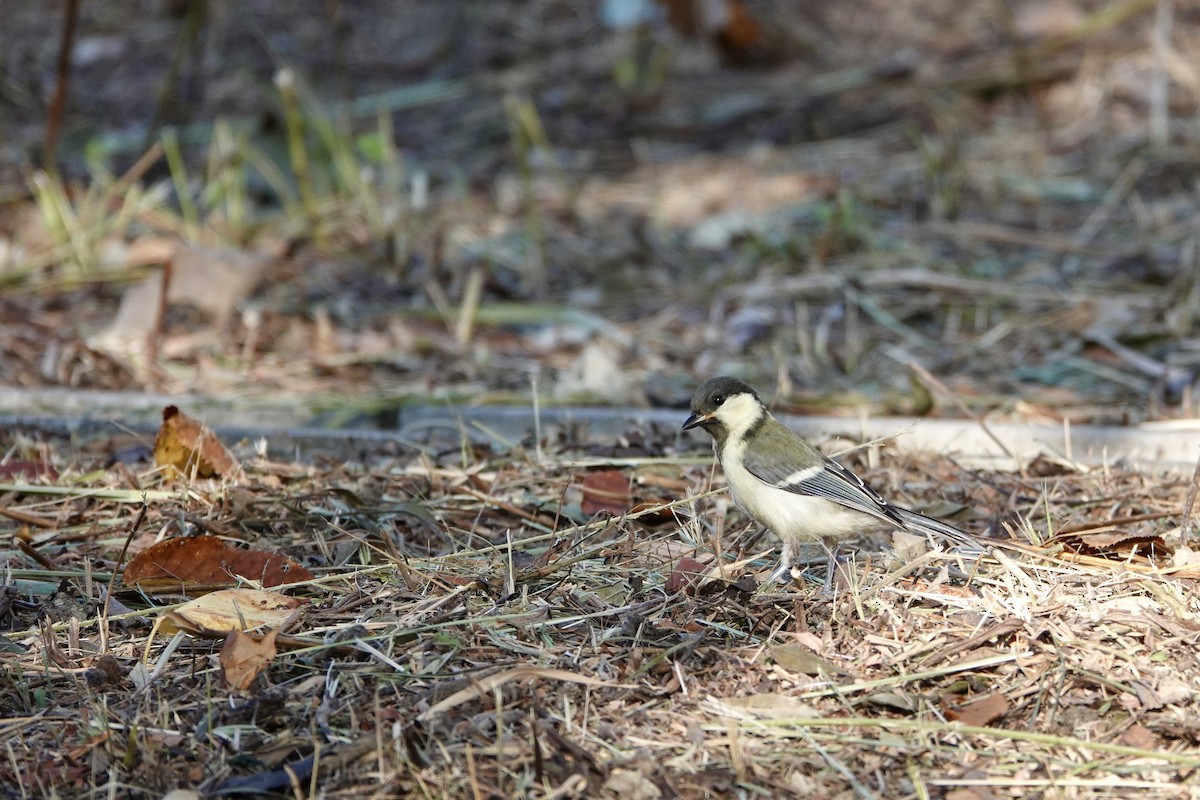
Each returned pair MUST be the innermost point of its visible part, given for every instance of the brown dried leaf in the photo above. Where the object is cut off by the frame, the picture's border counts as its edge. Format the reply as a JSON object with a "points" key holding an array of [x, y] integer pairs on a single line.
{"points": [[243, 657], [208, 561], [660, 517], [915, 584], [1049, 466], [729, 23], [104, 671], [188, 447], [214, 280], [977, 712], [1117, 545], [686, 576], [605, 490], [1139, 736], [27, 470]]}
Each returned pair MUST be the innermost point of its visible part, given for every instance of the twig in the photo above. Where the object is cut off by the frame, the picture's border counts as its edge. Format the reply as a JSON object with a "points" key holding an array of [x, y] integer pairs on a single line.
{"points": [[1186, 528], [28, 519], [293, 116], [1092, 527], [58, 102], [1160, 109], [925, 375], [464, 325], [37, 555], [112, 579], [154, 340], [1097, 219]]}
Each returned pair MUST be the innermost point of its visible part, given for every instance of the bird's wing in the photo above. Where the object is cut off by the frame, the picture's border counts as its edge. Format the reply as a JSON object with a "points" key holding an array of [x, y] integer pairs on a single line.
{"points": [[828, 479], [919, 523]]}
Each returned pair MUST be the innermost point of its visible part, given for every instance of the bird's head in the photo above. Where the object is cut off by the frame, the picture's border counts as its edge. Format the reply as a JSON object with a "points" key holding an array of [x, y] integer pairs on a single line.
{"points": [[724, 407]]}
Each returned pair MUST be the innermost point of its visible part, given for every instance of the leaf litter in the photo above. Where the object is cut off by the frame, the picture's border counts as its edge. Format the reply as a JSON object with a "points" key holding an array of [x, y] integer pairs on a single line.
{"points": [[496, 623], [467, 626]]}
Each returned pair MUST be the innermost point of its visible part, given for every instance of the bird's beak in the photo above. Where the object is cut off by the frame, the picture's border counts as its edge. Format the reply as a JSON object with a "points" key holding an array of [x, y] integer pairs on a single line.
{"points": [[697, 419]]}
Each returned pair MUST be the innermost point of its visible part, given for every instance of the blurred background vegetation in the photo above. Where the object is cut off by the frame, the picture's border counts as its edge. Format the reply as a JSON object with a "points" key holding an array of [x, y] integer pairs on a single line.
{"points": [[606, 200]]}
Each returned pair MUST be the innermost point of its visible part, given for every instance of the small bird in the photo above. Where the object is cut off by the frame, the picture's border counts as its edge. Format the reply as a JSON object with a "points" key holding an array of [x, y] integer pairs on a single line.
{"points": [[786, 485]]}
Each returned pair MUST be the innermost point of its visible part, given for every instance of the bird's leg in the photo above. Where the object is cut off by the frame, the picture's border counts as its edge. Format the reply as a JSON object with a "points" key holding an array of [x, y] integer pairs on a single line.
{"points": [[830, 546], [787, 556]]}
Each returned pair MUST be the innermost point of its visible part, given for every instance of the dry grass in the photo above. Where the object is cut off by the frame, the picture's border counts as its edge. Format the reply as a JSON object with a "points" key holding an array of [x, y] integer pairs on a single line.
{"points": [[468, 635], [1013, 210]]}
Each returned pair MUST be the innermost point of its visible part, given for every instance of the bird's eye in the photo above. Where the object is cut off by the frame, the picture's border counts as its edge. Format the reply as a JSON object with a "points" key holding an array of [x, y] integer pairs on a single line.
{"points": [[718, 400]]}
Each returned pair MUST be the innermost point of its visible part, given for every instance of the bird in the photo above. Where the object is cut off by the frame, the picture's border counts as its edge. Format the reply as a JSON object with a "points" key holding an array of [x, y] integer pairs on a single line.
{"points": [[786, 485]]}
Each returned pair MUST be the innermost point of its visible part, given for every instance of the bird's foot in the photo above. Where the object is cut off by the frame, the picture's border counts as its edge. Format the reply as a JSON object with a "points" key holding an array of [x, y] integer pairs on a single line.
{"points": [[788, 572], [783, 569]]}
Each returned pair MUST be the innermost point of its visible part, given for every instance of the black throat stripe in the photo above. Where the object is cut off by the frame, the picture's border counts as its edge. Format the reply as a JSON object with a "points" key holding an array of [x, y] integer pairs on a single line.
{"points": [[758, 423]]}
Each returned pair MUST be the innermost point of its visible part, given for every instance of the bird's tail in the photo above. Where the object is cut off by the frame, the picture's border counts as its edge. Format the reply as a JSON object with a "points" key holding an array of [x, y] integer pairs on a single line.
{"points": [[919, 523]]}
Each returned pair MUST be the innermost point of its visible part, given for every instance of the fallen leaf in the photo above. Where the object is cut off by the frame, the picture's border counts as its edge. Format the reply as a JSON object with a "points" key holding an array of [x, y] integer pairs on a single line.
{"points": [[730, 25], [770, 706], [243, 657], [600, 370], [140, 675], [897, 701], [630, 785], [218, 613], [977, 712], [1138, 736], [208, 561], [1173, 689], [214, 280], [798, 658], [1146, 696], [605, 490], [1117, 545], [686, 576], [27, 470], [1049, 466], [188, 447], [1185, 556], [971, 793], [104, 671], [921, 585], [660, 517], [1047, 19]]}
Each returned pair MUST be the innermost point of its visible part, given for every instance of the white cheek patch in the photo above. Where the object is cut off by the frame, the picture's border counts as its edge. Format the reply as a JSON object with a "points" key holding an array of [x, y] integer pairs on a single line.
{"points": [[739, 413]]}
